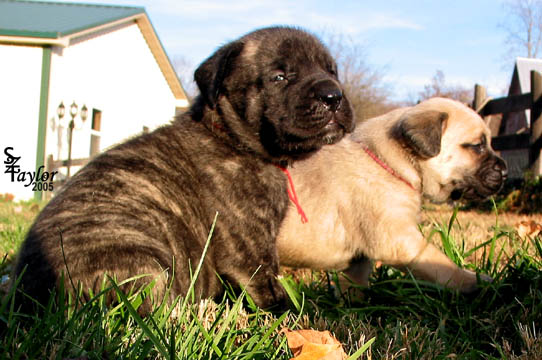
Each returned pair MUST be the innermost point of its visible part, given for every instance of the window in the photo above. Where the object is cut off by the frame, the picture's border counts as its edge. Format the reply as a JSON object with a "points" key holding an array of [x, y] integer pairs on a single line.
{"points": [[95, 132]]}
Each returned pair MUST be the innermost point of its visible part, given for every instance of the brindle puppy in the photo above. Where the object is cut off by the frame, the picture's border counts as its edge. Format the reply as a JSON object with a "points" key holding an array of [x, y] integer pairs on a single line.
{"points": [[146, 206]]}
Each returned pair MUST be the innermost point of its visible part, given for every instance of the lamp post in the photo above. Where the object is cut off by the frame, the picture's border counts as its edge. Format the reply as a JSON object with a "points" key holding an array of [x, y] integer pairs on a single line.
{"points": [[84, 113], [74, 110], [60, 111], [71, 125]]}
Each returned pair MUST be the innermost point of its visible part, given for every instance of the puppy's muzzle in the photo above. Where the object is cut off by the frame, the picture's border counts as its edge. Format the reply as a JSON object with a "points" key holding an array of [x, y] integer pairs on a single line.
{"points": [[488, 180], [329, 94], [494, 173]]}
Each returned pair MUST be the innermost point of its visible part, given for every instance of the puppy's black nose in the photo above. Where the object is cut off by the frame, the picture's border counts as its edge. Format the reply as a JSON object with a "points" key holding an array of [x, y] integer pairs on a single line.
{"points": [[329, 94]]}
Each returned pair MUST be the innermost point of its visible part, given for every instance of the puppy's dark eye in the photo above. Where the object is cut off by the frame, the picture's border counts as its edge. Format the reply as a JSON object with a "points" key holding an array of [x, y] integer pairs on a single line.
{"points": [[279, 77], [478, 148]]}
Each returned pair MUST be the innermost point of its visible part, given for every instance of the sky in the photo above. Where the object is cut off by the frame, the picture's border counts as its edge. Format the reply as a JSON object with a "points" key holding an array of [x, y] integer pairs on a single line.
{"points": [[406, 41]]}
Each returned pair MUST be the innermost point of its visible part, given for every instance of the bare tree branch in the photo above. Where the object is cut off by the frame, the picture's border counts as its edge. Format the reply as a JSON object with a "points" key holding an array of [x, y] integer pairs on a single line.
{"points": [[523, 26], [185, 71], [438, 87], [363, 84]]}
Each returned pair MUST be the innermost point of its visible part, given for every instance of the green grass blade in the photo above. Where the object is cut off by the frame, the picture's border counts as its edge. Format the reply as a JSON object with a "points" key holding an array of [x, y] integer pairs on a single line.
{"points": [[477, 247], [144, 327], [451, 221], [294, 295], [209, 338], [198, 269], [268, 333], [232, 316], [362, 349]]}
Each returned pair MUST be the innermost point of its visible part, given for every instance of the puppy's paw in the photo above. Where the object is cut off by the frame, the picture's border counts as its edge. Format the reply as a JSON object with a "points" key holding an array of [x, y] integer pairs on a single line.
{"points": [[271, 297], [279, 307], [485, 278], [342, 288], [469, 281]]}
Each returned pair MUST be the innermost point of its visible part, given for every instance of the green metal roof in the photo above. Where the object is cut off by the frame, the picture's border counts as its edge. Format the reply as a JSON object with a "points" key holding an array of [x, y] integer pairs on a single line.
{"points": [[42, 19]]}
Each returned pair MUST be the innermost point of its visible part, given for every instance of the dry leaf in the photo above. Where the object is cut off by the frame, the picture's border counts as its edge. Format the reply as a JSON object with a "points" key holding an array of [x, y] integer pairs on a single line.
{"points": [[528, 228], [314, 345]]}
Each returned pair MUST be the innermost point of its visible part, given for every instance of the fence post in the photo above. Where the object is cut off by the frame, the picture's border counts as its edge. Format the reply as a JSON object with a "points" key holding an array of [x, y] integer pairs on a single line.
{"points": [[480, 96], [536, 124]]}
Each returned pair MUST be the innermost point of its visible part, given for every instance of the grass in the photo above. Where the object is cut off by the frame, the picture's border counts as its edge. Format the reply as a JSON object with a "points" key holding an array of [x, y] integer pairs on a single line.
{"points": [[405, 318]]}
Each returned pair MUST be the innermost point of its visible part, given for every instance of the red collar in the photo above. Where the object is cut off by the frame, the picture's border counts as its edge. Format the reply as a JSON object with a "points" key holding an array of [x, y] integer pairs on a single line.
{"points": [[292, 195], [386, 167]]}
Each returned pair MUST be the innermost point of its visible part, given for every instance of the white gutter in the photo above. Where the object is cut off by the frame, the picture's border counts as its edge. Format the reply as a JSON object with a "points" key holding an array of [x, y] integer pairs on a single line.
{"points": [[65, 40], [26, 40], [125, 20]]}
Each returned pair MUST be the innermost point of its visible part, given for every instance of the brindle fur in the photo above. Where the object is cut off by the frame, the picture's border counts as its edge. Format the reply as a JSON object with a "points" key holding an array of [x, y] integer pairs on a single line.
{"points": [[147, 205]]}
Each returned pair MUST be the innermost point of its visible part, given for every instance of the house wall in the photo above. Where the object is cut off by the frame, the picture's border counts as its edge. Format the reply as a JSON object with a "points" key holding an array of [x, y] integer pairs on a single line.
{"points": [[20, 79], [114, 72]]}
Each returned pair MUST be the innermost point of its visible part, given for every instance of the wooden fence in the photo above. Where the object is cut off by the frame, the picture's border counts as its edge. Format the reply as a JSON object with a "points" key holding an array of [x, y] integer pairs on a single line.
{"points": [[55, 165], [530, 141]]}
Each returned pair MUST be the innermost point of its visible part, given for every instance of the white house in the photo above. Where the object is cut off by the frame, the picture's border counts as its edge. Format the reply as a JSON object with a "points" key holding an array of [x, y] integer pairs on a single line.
{"points": [[107, 60]]}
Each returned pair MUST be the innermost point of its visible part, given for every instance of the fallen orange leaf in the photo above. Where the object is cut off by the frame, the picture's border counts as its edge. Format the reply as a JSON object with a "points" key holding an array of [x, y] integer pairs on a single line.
{"points": [[314, 345], [528, 228]]}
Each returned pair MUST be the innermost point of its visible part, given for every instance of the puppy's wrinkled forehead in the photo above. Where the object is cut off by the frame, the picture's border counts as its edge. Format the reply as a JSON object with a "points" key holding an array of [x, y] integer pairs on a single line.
{"points": [[287, 45], [305, 50], [251, 49], [468, 125], [463, 123]]}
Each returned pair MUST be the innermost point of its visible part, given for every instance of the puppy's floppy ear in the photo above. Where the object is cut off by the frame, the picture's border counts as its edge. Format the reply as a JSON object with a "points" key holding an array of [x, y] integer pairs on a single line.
{"points": [[421, 131], [212, 72]]}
